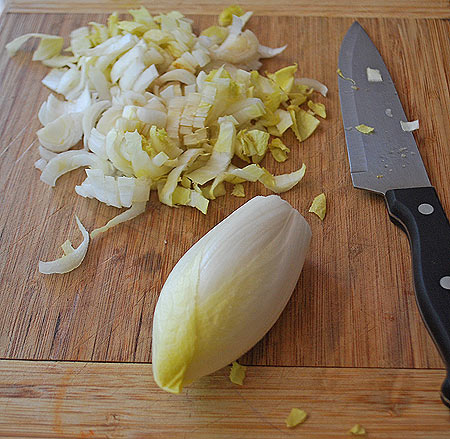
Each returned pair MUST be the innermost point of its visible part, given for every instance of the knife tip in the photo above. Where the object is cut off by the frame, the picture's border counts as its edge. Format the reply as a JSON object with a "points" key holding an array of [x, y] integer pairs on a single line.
{"points": [[354, 31], [356, 25]]}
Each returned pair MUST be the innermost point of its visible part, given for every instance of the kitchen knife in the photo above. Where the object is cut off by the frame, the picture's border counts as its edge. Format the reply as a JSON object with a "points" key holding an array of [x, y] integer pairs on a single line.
{"points": [[387, 161]]}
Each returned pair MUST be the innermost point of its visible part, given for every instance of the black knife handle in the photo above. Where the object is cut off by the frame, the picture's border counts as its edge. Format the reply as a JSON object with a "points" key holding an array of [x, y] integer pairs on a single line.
{"points": [[422, 216]]}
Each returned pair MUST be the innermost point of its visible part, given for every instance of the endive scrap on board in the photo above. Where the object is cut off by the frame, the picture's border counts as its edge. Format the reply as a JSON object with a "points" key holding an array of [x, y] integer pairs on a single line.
{"points": [[357, 430], [72, 257], [296, 417], [157, 107], [319, 206], [227, 291], [237, 373]]}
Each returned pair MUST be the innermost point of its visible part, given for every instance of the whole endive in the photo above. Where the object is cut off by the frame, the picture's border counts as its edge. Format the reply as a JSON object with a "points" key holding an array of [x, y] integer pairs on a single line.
{"points": [[227, 291]]}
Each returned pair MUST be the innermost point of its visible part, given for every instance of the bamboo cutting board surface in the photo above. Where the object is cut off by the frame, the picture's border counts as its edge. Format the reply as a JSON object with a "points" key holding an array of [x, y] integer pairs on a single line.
{"points": [[324, 8], [99, 400], [354, 305]]}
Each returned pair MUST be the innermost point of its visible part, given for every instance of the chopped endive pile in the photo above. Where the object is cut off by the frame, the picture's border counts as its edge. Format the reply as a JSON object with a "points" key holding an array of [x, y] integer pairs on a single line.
{"points": [[296, 417], [319, 206], [146, 104], [237, 373], [357, 430]]}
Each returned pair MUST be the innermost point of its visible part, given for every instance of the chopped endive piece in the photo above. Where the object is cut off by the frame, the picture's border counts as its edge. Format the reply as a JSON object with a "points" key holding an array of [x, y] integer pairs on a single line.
{"points": [[62, 133], [179, 75], [226, 16], [279, 150], [114, 140], [237, 48], [181, 196], [237, 373], [216, 33], [53, 108], [314, 84], [40, 164], [251, 108], [339, 72], [285, 120], [214, 190], [59, 61], [297, 99], [222, 296], [304, 124], [357, 430], [132, 27], [296, 417], [142, 16], [253, 144], [318, 108], [238, 190], [284, 77], [113, 27], [198, 201], [160, 140], [91, 116], [221, 156], [142, 164], [319, 206], [71, 259], [70, 160], [49, 46], [67, 247], [80, 40], [362, 128], [284, 182], [269, 52], [135, 210], [114, 191], [98, 34], [410, 126], [165, 193], [374, 75], [250, 173]]}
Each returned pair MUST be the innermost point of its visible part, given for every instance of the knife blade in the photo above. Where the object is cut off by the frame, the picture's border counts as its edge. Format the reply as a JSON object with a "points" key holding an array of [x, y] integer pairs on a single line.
{"points": [[388, 162]]}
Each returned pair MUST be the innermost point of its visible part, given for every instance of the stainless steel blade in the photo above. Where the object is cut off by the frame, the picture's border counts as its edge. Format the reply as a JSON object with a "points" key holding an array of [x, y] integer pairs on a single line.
{"points": [[388, 158]]}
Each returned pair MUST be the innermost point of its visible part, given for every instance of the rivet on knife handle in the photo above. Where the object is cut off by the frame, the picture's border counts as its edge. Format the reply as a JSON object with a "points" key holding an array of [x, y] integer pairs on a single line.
{"points": [[421, 214]]}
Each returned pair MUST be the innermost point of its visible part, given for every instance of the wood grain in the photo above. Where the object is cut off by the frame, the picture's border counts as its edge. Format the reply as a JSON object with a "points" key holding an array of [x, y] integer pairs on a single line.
{"points": [[302, 8], [91, 400], [354, 305]]}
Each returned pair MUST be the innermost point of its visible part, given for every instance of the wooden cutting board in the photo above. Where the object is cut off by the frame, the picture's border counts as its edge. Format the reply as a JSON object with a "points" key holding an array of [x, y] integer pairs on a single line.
{"points": [[354, 304]]}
